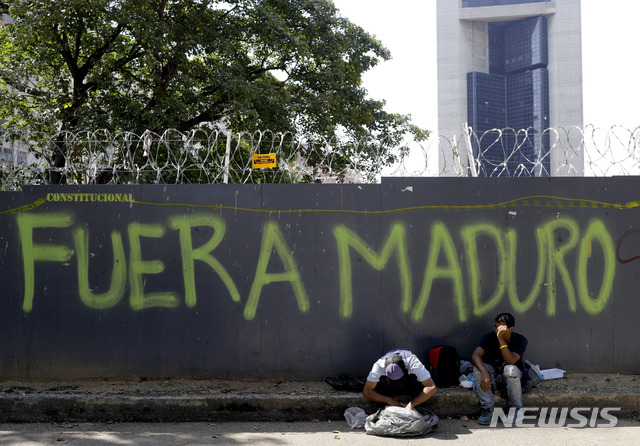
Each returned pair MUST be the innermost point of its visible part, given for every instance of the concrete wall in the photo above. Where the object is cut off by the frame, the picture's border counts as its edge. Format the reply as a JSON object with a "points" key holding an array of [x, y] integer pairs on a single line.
{"points": [[306, 281]]}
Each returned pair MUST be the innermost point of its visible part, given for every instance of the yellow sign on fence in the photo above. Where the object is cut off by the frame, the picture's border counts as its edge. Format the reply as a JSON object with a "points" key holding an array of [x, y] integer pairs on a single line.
{"points": [[261, 161]]}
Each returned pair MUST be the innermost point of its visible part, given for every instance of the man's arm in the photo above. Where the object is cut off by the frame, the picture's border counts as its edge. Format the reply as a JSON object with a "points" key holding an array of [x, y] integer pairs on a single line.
{"points": [[508, 356], [476, 359], [370, 393], [427, 392]]}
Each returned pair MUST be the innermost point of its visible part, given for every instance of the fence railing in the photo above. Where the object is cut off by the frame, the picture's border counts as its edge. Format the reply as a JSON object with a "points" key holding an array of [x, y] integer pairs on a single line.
{"points": [[217, 156]]}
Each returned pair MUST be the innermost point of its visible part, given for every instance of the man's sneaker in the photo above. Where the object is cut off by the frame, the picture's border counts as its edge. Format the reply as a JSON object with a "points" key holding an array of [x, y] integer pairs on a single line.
{"points": [[485, 417]]}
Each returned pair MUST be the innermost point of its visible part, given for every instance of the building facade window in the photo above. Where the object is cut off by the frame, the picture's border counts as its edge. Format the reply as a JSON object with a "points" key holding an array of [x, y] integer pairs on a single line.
{"points": [[478, 3], [513, 95]]}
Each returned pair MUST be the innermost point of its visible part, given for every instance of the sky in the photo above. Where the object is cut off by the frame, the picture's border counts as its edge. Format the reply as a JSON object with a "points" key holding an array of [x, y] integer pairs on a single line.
{"points": [[408, 82]]}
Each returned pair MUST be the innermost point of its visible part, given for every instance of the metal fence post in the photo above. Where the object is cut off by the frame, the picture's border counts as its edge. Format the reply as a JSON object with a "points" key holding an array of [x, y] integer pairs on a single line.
{"points": [[227, 155]]}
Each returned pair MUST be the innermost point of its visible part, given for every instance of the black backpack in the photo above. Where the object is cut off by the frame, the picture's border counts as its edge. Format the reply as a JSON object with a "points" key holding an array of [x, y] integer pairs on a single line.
{"points": [[444, 365], [345, 381]]}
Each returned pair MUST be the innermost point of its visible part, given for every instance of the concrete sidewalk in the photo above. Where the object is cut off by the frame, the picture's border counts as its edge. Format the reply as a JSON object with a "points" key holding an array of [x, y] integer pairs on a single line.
{"points": [[180, 400]]}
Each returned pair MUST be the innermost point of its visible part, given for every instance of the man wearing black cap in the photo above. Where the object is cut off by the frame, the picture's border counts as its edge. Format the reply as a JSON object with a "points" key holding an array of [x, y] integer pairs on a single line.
{"points": [[398, 373]]}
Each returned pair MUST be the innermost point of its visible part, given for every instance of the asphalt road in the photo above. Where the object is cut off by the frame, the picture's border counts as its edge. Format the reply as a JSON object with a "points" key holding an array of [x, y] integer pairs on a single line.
{"points": [[320, 433]]}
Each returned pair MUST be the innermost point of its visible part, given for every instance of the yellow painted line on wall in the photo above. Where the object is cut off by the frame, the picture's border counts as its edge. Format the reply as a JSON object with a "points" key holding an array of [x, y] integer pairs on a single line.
{"points": [[528, 201]]}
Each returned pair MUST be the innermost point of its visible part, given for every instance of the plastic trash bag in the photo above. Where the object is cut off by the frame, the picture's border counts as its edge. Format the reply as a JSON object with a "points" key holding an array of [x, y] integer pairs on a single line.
{"points": [[355, 417], [395, 421], [465, 382]]}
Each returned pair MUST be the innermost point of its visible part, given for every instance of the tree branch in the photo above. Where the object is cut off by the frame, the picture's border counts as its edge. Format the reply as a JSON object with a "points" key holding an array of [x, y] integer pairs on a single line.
{"points": [[21, 86], [101, 51], [161, 7], [265, 69], [65, 51], [205, 116]]}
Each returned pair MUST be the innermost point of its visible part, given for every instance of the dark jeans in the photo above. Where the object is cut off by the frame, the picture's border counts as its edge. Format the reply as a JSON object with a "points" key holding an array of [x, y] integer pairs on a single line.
{"points": [[411, 386]]}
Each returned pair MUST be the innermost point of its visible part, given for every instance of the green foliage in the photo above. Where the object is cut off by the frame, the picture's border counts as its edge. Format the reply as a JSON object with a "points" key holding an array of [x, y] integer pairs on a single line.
{"points": [[132, 65]]}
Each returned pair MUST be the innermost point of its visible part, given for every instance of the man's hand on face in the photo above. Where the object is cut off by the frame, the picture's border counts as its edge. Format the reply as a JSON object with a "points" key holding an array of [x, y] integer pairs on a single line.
{"points": [[502, 332]]}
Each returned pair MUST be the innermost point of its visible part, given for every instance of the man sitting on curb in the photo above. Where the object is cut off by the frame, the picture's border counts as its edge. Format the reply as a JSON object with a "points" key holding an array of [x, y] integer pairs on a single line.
{"points": [[498, 361], [398, 373]]}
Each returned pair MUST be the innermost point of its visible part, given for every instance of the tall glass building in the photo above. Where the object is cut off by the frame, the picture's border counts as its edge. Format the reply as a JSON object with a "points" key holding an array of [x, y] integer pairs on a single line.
{"points": [[510, 69]]}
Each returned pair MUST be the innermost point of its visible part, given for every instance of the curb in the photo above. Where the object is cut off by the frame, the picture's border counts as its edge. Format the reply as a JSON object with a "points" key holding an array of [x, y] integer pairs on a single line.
{"points": [[243, 406]]}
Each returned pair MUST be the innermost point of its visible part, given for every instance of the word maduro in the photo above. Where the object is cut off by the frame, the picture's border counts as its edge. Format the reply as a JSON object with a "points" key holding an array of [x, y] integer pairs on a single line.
{"points": [[556, 417]]}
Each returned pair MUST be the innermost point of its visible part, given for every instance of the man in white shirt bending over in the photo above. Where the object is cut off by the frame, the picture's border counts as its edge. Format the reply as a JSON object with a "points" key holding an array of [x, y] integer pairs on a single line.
{"points": [[399, 373]]}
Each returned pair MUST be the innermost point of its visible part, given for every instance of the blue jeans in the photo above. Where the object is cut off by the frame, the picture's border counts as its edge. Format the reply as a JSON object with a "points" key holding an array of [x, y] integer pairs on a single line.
{"points": [[511, 375]]}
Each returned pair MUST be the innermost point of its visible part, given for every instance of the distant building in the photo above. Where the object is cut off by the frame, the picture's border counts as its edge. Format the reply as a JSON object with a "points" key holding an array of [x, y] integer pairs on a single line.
{"points": [[510, 64], [5, 19], [11, 152]]}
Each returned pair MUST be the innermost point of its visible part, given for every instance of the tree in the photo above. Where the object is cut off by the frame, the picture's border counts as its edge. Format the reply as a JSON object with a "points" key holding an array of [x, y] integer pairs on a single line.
{"points": [[132, 65]]}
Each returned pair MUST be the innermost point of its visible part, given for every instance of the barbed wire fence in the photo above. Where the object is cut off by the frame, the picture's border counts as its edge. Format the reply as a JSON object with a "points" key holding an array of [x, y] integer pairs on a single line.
{"points": [[218, 156]]}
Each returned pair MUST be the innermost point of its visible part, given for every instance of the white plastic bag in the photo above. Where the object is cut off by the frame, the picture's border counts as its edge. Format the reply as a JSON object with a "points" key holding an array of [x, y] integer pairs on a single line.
{"points": [[465, 382], [401, 422], [355, 417]]}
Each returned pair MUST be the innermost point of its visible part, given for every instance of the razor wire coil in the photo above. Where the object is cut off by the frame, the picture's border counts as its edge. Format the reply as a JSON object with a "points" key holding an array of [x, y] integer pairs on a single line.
{"points": [[218, 156]]}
